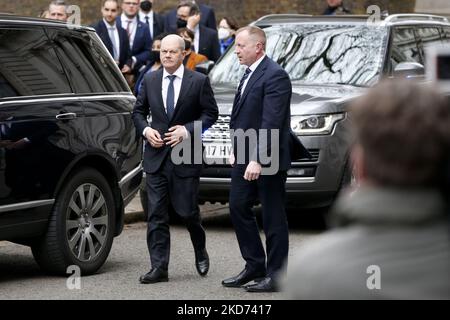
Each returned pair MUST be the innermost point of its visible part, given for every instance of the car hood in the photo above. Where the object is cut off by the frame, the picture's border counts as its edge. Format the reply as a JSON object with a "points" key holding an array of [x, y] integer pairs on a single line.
{"points": [[306, 99]]}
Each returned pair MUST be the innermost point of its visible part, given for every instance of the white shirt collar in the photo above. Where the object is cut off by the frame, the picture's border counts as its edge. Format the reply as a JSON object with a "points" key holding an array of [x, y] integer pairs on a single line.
{"points": [[143, 15], [179, 72], [256, 63], [124, 18], [108, 25]]}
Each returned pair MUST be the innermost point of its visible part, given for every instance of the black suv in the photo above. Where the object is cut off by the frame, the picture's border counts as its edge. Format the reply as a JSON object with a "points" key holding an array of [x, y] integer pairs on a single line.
{"points": [[330, 60], [69, 154]]}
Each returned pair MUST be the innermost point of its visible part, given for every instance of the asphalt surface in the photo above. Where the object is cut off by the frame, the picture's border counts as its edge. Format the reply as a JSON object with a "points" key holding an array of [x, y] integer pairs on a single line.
{"points": [[21, 278]]}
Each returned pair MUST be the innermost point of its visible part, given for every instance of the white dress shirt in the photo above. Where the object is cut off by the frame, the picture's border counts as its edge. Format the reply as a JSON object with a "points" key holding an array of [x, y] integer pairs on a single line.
{"points": [[150, 20], [196, 38], [177, 88], [132, 29], [252, 68], [116, 41]]}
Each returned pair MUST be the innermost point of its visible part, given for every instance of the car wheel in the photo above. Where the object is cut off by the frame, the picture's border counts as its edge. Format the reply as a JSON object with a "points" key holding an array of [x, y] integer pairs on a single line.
{"points": [[81, 226]]}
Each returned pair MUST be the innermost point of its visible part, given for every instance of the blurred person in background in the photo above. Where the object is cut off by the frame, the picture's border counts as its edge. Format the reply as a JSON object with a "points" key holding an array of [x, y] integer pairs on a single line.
{"points": [[206, 40], [192, 59], [154, 21], [393, 236], [139, 38], [208, 17], [114, 38], [57, 10], [335, 7], [154, 64], [227, 33]]}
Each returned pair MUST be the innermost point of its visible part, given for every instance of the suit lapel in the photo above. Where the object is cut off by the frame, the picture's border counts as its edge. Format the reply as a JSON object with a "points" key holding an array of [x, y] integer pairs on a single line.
{"points": [[104, 35], [257, 74], [186, 84]]}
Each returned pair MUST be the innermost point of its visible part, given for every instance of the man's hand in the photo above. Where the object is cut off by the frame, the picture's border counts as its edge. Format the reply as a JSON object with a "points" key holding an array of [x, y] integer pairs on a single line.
{"points": [[175, 135], [19, 144], [193, 21], [126, 69], [253, 171], [154, 138]]}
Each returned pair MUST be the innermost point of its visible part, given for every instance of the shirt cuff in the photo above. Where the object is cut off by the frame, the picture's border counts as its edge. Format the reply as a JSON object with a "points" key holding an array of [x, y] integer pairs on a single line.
{"points": [[187, 135], [145, 130]]}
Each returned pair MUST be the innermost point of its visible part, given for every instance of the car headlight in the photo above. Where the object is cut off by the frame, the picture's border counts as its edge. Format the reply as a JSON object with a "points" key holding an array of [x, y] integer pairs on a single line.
{"points": [[315, 124]]}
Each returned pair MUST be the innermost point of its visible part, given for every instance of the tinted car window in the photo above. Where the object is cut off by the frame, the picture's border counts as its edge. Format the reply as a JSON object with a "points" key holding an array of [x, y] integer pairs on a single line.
{"points": [[88, 65], [428, 37], [404, 46], [446, 35], [318, 54], [28, 64]]}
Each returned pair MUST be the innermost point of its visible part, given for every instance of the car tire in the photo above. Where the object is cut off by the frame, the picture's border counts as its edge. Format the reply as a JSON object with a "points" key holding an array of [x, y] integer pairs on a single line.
{"points": [[81, 226]]}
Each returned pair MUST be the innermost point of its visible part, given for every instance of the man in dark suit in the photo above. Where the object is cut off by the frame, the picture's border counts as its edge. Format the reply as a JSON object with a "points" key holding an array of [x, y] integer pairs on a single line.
{"points": [[154, 21], [138, 34], [206, 40], [114, 38], [208, 18], [262, 102], [175, 98]]}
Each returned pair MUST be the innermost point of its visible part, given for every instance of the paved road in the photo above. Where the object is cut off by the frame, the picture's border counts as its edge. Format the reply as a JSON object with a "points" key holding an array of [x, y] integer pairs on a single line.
{"points": [[20, 277]]}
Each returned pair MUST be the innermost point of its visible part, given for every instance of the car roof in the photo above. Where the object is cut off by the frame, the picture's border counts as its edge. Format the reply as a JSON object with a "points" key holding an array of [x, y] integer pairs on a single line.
{"points": [[11, 19], [385, 20]]}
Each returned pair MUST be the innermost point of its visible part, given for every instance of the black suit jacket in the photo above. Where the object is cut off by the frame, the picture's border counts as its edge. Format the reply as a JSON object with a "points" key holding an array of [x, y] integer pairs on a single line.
{"points": [[265, 104], [125, 53], [195, 103], [209, 43], [207, 19], [158, 24], [142, 44]]}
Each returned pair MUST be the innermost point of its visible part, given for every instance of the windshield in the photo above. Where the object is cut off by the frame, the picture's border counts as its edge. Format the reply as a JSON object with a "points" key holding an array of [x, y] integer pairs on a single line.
{"points": [[317, 54]]}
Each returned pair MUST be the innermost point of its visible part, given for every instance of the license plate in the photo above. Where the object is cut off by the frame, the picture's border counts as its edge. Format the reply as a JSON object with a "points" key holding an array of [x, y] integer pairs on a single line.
{"points": [[217, 153]]}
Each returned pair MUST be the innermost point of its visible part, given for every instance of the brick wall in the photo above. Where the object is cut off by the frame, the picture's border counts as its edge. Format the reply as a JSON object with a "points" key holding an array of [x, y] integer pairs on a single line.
{"points": [[244, 11]]}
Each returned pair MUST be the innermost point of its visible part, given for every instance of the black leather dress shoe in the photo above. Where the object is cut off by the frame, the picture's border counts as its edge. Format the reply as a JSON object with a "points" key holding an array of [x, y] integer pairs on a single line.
{"points": [[242, 278], [202, 262], [154, 275], [265, 285]]}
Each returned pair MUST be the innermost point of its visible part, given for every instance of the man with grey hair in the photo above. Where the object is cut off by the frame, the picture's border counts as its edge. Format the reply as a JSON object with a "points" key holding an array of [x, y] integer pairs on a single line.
{"points": [[262, 102], [57, 10], [175, 98]]}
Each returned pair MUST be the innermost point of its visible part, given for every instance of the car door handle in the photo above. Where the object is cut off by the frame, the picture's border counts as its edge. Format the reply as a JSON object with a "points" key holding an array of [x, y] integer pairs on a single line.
{"points": [[66, 116]]}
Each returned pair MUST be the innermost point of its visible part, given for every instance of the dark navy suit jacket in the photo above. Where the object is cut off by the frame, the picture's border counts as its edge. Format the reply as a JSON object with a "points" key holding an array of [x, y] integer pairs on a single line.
{"points": [[125, 53], [207, 18], [209, 43], [142, 44], [265, 104], [195, 103]]}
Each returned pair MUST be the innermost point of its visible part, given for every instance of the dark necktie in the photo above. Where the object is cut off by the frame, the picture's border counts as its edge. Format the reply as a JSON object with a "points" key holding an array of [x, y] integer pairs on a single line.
{"points": [[146, 20], [170, 101], [128, 28], [241, 84]]}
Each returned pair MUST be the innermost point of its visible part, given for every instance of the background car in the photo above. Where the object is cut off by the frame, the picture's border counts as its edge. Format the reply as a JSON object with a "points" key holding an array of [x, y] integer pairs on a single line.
{"points": [[69, 154], [330, 60]]}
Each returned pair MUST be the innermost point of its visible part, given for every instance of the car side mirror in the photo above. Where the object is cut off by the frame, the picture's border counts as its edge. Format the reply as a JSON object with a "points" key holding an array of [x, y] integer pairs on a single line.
{"points": [[409, 70], [204, 67]]}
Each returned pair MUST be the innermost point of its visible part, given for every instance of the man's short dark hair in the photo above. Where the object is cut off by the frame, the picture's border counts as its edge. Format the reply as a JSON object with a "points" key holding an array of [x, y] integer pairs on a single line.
{"points": [[403, 129], [193, 7]]}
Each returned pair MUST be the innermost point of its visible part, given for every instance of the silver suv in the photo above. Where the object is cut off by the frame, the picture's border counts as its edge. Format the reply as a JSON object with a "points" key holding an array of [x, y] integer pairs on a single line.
{"points": [[331, 60]]}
